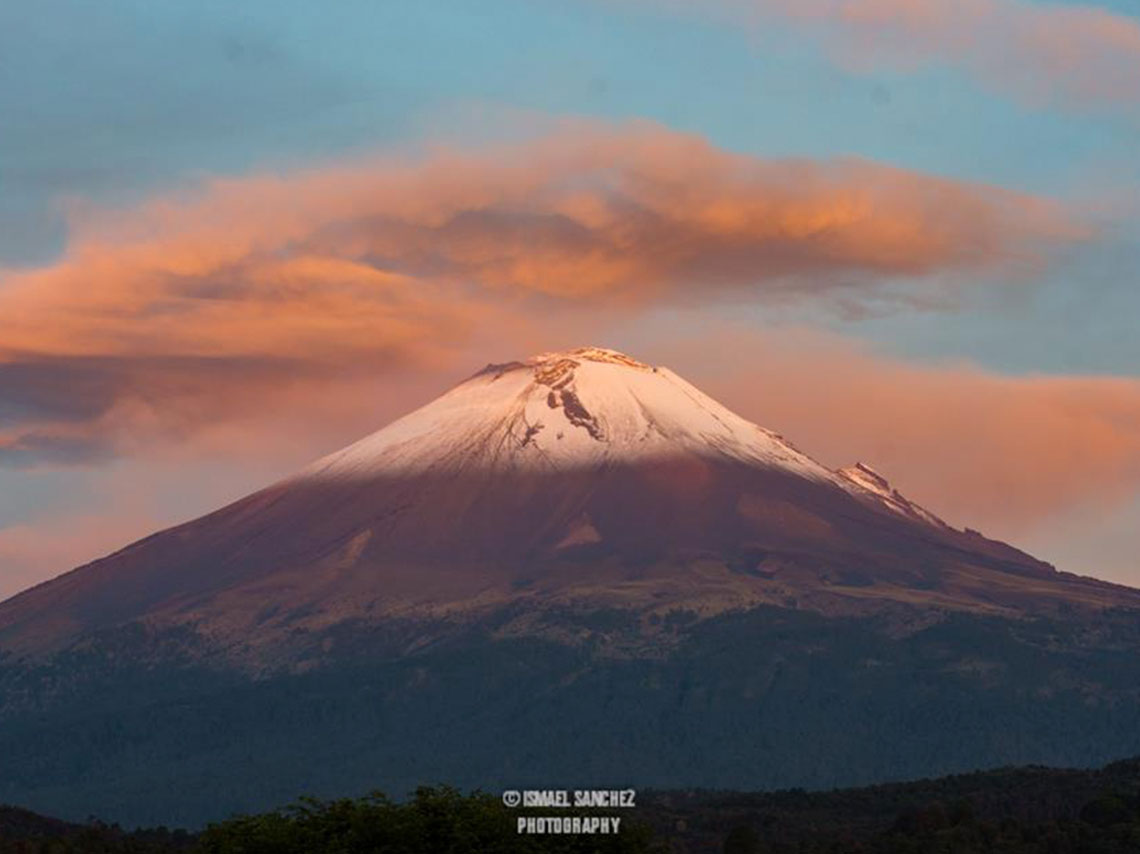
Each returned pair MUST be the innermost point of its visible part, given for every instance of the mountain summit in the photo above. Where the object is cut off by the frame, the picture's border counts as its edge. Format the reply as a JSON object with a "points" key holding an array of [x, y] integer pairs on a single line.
{"points": [[588, 408], [579, 479]]}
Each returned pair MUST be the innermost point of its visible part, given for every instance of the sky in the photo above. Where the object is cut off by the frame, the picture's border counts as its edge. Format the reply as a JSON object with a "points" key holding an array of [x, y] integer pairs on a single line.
{"points": [[234, 237]]}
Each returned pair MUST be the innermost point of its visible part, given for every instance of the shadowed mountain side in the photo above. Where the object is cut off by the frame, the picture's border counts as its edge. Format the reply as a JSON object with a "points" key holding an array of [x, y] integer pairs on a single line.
{"points": [[708, 533]]}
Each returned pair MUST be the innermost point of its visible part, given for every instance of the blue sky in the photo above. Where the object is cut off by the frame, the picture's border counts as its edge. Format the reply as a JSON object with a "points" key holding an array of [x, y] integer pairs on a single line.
{"points": [[107, 105], [112, 102]]}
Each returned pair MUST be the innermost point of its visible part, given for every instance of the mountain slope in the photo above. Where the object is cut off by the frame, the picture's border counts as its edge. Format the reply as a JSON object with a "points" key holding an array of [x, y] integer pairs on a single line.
{"points": [[584, 478]]}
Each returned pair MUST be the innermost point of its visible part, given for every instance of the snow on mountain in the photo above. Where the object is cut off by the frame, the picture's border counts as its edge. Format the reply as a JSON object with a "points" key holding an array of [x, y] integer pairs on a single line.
{"points": [[581, 409], [864, 478], [578, 409]]}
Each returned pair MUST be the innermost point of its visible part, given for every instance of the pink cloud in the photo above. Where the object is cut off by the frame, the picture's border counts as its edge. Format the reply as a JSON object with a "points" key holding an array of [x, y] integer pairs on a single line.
{"points": [[1004, 454], [1076, 55]]}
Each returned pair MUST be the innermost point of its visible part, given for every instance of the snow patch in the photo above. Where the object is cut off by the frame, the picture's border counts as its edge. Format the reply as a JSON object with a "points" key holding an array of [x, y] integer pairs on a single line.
{"points": [[865, 479]]}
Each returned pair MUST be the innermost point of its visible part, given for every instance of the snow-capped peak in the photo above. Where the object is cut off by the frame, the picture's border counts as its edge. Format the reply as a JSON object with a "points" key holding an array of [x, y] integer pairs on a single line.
{"points": [[584, 408], [555, 411]]}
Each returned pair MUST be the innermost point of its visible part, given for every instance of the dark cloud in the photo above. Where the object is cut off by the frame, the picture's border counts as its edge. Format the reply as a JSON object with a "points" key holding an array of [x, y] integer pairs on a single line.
{"points": [[79, 409]]}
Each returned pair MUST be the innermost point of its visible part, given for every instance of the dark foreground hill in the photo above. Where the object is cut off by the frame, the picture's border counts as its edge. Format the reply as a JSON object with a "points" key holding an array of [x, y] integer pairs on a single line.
{"points": [[1031, 810]]}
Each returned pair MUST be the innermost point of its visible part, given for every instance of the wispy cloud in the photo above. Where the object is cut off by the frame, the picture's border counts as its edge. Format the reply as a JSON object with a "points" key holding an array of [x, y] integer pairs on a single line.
{"points": [[1074, 55]]}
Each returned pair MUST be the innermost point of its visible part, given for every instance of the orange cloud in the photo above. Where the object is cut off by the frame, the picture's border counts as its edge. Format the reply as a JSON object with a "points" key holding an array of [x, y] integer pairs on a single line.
{"points": [[1004, 454], [1039, 52], [189, 309]]}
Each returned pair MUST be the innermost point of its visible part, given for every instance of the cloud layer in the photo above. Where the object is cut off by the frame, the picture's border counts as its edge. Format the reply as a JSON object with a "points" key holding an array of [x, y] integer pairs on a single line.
{"points": [[1003, 454], [191, 309], [1075, 55]]}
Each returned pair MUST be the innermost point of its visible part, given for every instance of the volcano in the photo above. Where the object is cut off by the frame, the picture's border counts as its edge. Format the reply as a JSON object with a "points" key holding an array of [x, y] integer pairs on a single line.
{"points": [[583, 478], [574, 532]]}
